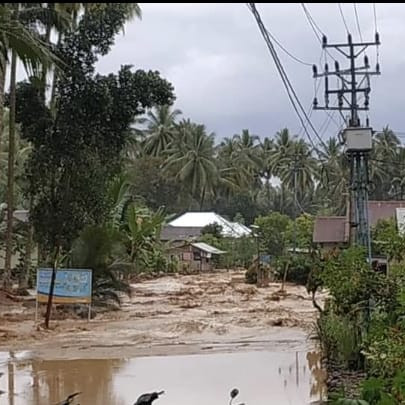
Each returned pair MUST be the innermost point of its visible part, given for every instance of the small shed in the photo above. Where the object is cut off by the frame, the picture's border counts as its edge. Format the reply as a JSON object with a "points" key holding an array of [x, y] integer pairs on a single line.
{"points": [[196, 256]]}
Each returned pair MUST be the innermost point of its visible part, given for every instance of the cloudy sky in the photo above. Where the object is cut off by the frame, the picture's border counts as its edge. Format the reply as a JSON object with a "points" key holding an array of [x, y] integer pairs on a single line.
{"points": [[224, 77]]}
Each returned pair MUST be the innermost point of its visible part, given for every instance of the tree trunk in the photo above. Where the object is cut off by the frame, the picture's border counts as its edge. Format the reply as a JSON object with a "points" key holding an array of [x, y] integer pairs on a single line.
{"points": [[285, 276], [10, 174], [52, 287], [3, 66], [54, 80], [202, 199], [25, 276]]}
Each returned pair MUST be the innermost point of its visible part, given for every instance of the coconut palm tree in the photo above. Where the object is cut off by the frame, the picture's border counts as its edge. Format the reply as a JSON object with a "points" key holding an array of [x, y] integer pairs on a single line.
{"points": [[382, 170], [298, 167], [161, 129], [18, 35], [192, 157], [398, 178], [333, 176]]}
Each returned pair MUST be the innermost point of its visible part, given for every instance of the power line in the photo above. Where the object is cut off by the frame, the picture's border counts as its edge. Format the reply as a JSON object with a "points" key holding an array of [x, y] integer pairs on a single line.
{"points": [[315, 28], [376, 30], [292, 95], [286, 50], [375, 17], [357, 21], [343, 17], [312, 22]]}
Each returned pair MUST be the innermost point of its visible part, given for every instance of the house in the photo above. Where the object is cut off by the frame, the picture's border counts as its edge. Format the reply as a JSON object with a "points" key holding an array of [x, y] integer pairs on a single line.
{"points": [[197, 257], [189, 226], [334, 232]]}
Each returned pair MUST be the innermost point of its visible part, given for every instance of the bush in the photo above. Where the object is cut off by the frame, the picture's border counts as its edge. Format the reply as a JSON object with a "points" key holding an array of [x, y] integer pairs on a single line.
{"points": [[341, 338], [386, 352], [299, 268], [251, 274]]}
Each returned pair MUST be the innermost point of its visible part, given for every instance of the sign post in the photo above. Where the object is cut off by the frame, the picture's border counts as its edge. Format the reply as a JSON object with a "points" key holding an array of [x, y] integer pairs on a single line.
{"points": [[72, 286]]}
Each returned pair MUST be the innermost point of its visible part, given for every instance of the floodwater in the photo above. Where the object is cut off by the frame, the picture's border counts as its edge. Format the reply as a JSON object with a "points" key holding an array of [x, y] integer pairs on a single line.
{"points": [[262, 377]]}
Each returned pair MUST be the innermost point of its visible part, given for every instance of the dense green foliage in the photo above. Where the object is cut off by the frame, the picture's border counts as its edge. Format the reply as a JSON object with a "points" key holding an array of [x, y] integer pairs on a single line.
{"points": [[362, 325]]}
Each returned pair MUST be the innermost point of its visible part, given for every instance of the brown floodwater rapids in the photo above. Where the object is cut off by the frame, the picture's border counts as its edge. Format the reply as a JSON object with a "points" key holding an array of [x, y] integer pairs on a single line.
{"points": [[262, 377], [194, 336]]}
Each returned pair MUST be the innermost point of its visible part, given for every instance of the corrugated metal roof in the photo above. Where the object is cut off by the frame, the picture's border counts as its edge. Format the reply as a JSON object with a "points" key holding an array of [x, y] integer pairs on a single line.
{"points": [[202, 219], [207, 248], [383, 210], [179, 233], [335, 230], [330, 230]]}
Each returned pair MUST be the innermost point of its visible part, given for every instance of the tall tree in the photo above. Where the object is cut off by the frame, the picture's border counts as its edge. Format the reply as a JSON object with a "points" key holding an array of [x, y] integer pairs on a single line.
{"points": [[74, 160], [19, 35], [161, 129], [192, 158], [333, 177]]}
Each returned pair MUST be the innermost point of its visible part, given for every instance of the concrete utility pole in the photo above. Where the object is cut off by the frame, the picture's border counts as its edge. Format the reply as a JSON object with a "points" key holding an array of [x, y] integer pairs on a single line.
{"points": [[353, 81]]}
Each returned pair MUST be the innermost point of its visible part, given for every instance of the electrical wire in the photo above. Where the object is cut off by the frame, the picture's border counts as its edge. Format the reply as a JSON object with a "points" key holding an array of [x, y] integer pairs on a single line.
{"points": [[343, 17], [315, 28], [312, 23], [286, 50], [357, 21], [375, 17], [292, 95], [376, 30]]}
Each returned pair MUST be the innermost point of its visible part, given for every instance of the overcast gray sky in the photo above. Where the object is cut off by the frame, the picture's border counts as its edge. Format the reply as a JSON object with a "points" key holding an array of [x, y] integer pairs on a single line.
{"points": [[224, 77]]}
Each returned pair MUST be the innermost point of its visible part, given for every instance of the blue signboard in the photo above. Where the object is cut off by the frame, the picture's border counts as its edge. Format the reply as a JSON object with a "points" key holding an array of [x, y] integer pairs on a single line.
{"points": [[71, 285]]}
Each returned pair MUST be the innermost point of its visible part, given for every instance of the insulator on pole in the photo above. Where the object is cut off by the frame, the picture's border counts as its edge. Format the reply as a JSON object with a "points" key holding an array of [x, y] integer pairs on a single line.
{"points": [[314, 70]]}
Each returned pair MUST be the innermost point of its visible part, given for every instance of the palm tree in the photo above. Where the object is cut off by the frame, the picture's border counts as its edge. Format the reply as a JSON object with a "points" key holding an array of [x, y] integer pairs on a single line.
{"points": [[192, 157], [229, 180], [239, 161], [22, 152], [161, 128], [333, 176], [247, 158], [18, 34], [382, 170], [265, 153], [398, 179], [282, 147], [298, 167]]}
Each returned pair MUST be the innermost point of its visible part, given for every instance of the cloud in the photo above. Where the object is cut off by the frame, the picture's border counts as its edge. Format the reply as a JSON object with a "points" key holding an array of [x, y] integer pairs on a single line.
{"points": [[224, 76]]}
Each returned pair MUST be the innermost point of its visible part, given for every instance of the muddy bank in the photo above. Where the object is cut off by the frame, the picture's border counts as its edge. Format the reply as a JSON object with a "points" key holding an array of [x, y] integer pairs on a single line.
{"points": [[339, 380], [171, 315]]}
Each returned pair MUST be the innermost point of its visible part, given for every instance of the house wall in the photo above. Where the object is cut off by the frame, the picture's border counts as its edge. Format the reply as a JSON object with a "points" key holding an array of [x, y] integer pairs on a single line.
{"points": [[192, 258]]}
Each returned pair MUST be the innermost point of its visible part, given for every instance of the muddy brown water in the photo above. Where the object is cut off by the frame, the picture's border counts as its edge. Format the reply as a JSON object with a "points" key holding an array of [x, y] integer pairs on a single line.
{"points": [[262, 377]]}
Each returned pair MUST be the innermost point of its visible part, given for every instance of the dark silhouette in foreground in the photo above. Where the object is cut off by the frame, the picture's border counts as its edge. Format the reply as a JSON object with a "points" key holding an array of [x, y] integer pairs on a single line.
{"points": [[69, 400], [147, 399], [234, 394]]}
